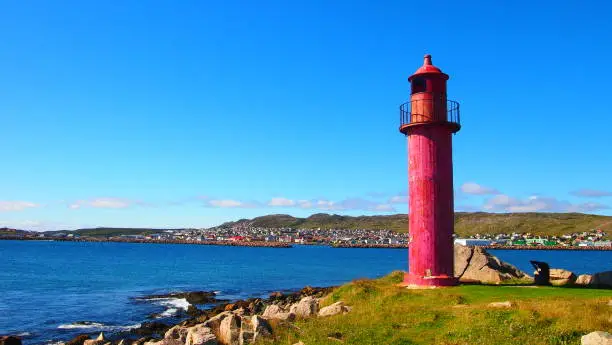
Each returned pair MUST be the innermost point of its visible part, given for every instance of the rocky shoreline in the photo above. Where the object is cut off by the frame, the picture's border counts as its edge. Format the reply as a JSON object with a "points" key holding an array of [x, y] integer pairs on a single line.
{"points": [[242, 322]]}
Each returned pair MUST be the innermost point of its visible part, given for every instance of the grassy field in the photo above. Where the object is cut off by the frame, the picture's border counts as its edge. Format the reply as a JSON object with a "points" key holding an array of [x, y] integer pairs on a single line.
{"points": [[466, 223], [384, 313]]}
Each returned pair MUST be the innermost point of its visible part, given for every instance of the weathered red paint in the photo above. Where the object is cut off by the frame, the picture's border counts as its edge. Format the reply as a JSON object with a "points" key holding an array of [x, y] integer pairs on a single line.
{"points": [[430, 177]]}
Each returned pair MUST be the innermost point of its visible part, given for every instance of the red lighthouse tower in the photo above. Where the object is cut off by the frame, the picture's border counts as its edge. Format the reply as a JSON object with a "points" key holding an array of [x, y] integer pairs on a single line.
{"points": [[428, 120]]}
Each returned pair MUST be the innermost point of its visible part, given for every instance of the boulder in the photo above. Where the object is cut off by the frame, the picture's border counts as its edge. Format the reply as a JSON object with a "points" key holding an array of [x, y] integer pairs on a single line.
{"points": [[10, 340], [602, 279], [306, 307], [151, 328], [596, 338], [254, 328], [476, 265], [299, 343], [214, 322], [584, 280], [505, 304], [93, 342], [334, 309], [275, 312], [200, 335], [164, 342], [78, 340], [229, 331], [178, 333], [560, 277], [271, 311]]}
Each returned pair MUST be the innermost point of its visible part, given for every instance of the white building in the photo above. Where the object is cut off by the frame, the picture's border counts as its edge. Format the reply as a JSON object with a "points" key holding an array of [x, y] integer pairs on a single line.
{"points": [[473, 242]]}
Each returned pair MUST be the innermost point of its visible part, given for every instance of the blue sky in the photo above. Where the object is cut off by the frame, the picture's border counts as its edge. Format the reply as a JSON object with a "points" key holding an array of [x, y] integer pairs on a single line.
{"points": [[191, 113]]}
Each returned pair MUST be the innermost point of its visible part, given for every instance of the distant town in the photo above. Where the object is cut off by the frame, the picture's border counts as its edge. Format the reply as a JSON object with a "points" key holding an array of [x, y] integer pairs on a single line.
{"points": [[240, 234]]}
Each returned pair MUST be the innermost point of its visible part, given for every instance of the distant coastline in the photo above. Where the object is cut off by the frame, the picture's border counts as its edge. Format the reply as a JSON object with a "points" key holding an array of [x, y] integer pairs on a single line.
{"points": [[287, 245], [127, 240]]}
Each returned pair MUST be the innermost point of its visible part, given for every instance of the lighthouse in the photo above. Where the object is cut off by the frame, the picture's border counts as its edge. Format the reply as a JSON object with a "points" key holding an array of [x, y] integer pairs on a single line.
{"points": [[428, 120]]}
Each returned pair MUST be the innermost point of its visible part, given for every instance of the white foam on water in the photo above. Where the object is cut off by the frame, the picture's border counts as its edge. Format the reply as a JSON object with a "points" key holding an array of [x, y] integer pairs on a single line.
{"points": [[173, 305], [97, 326]]}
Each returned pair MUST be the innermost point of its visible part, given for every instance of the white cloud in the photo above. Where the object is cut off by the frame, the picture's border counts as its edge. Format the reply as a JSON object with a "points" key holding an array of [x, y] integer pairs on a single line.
{"points": [[304, 204], [39, 225], [398, 199], [225, 203], [8, 206], [536, 203], [281, 202], [476, 189], [114, 203], [591, 193]]}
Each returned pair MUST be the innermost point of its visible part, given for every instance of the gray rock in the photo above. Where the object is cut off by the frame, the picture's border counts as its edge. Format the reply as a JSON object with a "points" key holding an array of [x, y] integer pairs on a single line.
{"points": [[306, 307], [474, 264], [201, 335], [596, 338], [334, 309], [229, 331], [560, 277], [253, 328], [602, 279], [276, 312], [584, 280], [177, 332], [214, 322], [10, 340], [505, 304]]}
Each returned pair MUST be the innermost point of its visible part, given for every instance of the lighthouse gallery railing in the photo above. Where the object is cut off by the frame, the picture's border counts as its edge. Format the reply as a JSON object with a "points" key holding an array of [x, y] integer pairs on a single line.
{"points": [[413, 112]]}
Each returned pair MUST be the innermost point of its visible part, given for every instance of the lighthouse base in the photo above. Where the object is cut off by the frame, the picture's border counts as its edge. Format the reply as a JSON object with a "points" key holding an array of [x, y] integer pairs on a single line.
{"points": [[413, 281]]}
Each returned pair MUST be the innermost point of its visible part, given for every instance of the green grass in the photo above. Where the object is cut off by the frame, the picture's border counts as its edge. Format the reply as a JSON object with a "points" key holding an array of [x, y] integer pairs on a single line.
{"points": [[384, 313], [465, 223]]}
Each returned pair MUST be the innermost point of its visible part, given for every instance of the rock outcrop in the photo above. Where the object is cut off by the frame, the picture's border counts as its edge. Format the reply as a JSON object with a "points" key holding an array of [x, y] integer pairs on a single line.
{"points": [[10, 340], [200, 335], [78, 340], [560, 277], [98, 341], [476, 265], [306, 307], [276, 312], [229, 330], [334, 309], [178, 333], [596, 338], [253, 328], [602, 279], [584, 280]]}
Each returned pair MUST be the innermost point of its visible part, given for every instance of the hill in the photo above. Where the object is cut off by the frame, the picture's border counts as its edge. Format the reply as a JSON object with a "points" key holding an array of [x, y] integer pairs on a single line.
{"points": [[465, 223], [108, 232]]}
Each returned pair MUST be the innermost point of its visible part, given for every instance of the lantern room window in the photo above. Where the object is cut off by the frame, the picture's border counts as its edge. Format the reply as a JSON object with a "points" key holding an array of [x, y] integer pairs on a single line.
{"points": [[419, 85]]}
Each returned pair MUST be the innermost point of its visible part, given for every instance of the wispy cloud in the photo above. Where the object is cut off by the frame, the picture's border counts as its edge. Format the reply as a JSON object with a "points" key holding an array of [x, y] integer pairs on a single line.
{"points": [[398, 199], [536, 203], [477, 189], [39, 225], [281, 202], [9, 206], [114, 203], [230, 203], [591, 193]]}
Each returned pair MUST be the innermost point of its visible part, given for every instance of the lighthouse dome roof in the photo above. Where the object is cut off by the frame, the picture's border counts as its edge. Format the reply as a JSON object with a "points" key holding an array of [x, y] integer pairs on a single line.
{"points": [[428, 68]]}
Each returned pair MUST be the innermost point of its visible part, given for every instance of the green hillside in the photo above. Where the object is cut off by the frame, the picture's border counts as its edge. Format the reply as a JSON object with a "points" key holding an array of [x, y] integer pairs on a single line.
{"points": [[108, 232], [465, 223]]}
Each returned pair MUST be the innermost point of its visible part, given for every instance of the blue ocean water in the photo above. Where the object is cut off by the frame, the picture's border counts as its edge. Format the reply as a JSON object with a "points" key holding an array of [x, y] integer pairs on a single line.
{"points": [[47, 288]]}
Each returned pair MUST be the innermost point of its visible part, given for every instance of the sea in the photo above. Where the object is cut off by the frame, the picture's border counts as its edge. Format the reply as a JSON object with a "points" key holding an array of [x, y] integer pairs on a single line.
{"points": [[52, 291]]}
